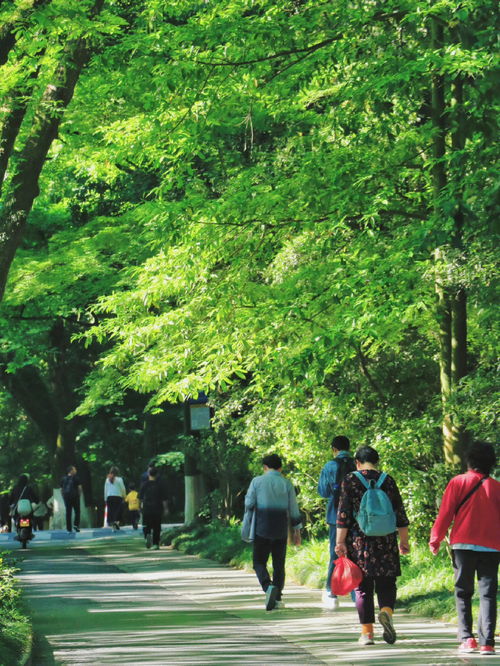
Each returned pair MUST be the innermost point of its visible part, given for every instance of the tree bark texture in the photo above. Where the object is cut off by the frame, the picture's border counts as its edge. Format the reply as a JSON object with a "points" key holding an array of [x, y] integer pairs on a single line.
{"points": [[451, 308], [23, 186]]}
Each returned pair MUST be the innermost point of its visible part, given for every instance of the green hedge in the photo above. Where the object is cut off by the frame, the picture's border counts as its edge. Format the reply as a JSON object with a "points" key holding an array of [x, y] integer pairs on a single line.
{"points": [[15, 628], [424, 588]]}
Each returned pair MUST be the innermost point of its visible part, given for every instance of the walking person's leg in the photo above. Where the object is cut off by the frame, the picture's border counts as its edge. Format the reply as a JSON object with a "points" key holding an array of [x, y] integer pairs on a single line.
{"points": [[385, 587], [332, 535], [261, 552], [464, 565], [366, 609], [69, 511], [147, 523], [156, 527], [487, 575], [76, 507], [278, 553]]}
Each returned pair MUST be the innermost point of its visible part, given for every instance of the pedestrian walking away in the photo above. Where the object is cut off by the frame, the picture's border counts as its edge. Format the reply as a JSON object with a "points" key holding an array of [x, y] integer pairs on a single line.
{"points": [[273, 499], [40, 512], [71, 489], [114, 495], [133, 505], [329, 483], [376, 556], [471, 502], [153, 504]]}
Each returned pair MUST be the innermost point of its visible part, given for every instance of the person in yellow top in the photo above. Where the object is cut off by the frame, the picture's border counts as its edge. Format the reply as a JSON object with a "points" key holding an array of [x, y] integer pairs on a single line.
{"points": [[133, 504]]}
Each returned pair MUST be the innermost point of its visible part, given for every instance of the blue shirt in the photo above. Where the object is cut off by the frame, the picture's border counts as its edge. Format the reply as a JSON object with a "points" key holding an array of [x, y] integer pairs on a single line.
{"points": [[273, 499], [326, 485]]}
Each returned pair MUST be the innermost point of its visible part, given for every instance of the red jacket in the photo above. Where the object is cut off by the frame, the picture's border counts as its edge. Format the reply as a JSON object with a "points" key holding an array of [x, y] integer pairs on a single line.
{"points": [[478, 520]]}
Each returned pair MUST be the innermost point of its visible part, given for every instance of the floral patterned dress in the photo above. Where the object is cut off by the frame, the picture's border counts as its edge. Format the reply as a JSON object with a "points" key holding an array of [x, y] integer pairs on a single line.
{"points": [[375, 556]]}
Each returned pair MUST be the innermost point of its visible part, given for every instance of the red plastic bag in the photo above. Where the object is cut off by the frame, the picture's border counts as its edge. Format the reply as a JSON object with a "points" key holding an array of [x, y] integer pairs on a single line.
{"points": [[346, 576]]}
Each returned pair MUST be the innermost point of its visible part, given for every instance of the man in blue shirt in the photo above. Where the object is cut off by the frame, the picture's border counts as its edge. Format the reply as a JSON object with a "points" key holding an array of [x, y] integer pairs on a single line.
{"points": [[273, 499], [329, 486]]}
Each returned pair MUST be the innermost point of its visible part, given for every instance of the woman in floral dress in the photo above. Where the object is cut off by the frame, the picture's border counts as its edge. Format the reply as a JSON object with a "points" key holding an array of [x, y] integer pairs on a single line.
{"points": [[376, 556]]}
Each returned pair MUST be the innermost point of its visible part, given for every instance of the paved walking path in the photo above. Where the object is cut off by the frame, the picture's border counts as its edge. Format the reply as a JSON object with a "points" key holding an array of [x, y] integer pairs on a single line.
{"points": [[111, 601]]}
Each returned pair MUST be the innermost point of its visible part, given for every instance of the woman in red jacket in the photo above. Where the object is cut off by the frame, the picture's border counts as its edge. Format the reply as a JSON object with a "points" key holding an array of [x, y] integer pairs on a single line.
{"points": [[472, 502]]}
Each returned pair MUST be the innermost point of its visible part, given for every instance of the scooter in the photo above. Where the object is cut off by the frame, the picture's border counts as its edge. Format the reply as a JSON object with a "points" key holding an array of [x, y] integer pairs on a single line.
{"points": [[24, 530]]}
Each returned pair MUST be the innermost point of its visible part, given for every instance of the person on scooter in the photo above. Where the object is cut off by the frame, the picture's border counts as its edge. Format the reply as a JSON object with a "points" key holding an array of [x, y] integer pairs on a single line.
{"points": [[22, 490]]}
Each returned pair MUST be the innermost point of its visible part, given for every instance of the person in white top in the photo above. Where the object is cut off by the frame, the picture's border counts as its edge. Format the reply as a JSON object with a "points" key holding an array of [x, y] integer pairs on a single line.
{"points": [[114, 494]]}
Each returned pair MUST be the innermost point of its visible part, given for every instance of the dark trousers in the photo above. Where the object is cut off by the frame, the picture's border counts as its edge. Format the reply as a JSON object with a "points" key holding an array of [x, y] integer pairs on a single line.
{"points": [[385, 588], [332, 534], [466, 563], [114, 504], [262, 548], [151, 522], [72, 503], [133, 516]]}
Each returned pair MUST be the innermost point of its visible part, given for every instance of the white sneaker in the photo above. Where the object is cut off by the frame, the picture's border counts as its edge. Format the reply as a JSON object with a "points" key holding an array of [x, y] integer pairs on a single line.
{"points": [[366, 639], [279, 604], [329, 602]]}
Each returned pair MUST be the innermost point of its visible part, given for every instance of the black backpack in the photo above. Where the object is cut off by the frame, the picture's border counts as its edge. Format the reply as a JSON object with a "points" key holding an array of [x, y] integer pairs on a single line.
{"points": [[345, 464]]}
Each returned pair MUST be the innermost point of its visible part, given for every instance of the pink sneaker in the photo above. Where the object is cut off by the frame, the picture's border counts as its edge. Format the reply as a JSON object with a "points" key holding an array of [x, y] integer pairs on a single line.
{"points": [[469, 645], [487, 649]]}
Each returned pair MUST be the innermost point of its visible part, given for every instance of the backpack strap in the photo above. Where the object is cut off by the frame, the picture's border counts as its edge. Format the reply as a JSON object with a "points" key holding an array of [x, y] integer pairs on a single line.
{"points": [[381, 480], [362, 479], [469, 494]]}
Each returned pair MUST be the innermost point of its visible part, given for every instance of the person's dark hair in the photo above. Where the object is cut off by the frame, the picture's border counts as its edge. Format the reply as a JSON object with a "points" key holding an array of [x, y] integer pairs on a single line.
{"points": [[131, 485], [23, 480], [272, 460], [367, 454], [341, 443], [114, 471], [153, 471], [481, 457], [69, 468]]}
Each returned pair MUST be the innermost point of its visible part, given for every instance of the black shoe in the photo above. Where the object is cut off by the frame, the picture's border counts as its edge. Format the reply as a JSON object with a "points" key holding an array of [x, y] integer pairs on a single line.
{"points": [[76, 528], [271, 596]]}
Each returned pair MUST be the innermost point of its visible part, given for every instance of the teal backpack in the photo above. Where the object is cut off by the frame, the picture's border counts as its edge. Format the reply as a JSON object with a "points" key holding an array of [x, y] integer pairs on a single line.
{"points": [[376, 515]]}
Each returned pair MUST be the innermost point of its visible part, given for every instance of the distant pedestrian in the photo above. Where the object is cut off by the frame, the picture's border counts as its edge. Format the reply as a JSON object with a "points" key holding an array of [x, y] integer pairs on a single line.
{"points": [[273, 499], [376, 556], [153, 504], [71, 489], [329, 484], [5, 519], [40, 512], [114, 494], [471, 502], [134, 505]]}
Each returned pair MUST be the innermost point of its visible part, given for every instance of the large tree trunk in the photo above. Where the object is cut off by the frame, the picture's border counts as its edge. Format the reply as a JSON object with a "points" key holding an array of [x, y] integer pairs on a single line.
{"points": [[23, 186], [451, 296]]}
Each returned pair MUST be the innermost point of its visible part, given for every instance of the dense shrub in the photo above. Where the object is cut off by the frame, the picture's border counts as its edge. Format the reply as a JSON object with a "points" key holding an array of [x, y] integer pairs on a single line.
{"points": [[15, 632]]}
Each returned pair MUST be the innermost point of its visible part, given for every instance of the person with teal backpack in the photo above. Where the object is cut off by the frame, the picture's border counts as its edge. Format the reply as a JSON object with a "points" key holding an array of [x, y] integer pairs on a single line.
{"points": [[370, 517], [376, 515]]}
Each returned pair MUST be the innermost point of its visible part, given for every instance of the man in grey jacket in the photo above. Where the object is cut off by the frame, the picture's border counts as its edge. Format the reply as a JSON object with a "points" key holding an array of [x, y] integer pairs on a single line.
{"points": [[273, 499]]}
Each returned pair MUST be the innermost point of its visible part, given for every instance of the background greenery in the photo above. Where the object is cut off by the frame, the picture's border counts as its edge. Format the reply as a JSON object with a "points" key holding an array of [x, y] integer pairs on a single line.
{"points": [[15, 629], [288, 206]]}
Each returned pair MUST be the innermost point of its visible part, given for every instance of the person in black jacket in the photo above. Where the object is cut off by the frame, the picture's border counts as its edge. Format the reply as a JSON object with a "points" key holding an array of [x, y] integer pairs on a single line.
{"points": [[153, 503], [71, 489]]}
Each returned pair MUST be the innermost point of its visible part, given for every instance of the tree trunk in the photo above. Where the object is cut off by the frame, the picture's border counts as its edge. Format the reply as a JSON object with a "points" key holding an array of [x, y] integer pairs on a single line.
{"points": [[451, 295], [23, 187]]}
